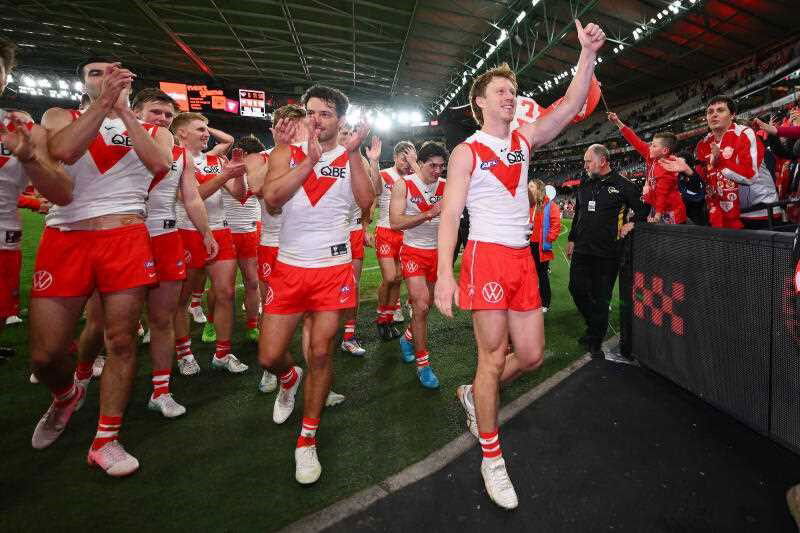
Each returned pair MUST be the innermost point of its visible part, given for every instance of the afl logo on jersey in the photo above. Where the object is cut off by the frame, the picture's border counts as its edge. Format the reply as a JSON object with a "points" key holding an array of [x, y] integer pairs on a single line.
{"points": [[121, 140], [5, 151], [432, 199], [515, 157], [333, 172], [486, 165], [211, 169]]}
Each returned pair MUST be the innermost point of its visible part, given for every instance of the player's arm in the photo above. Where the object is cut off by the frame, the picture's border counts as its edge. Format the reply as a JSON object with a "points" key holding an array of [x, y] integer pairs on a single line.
{"points": [[743, 166], [30, 149], [192, 200], [224, 142], [360, 182], [459, 169], [398, 219], [155, 151], [69, 139], [548, 127], [374, 157], [282, 181]]}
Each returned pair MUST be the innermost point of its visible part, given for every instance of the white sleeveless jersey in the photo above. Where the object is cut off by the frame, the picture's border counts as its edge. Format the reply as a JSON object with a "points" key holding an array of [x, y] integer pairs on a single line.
{"points": [[270, 224], [354, 219], [241, 217], [163, 197], [206, 168], [12, 182], [497, 199], [388, 177], [315, 231], [109, 178], [420, 197]]}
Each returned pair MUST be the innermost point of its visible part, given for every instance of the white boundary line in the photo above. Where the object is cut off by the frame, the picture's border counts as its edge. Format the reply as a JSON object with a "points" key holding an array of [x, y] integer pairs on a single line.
{"points": [[437, 460]]}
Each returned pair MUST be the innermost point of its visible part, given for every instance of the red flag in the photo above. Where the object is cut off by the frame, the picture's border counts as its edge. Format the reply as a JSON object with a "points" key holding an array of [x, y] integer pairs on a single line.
{"points": [[529, 111]]}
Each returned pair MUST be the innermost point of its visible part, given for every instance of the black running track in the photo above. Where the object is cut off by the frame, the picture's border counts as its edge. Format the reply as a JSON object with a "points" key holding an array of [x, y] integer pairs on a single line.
{"points": [[612, 448]]}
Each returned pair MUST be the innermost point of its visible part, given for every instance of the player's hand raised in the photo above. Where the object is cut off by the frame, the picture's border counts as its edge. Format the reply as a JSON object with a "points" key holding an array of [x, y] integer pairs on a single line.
{"points": [[16, 137], [360, 132], [284, 131], [374, 150], [591, 37]]}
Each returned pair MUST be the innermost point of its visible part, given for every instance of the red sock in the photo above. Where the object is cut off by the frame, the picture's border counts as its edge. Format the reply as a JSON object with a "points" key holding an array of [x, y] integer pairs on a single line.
{"points": [[223, 349], [83, 370], [252, 323], [422, 359], [197, 298], [490, 445], [107, 431], [183, 347], [349, 330], [62, 396], [288, 378], [160, 382], [308, 433], [409, 336]]}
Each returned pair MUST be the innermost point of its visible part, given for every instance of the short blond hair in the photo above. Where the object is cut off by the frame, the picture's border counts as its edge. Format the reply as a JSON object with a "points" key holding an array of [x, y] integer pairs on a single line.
{"points": [[185, 118], [480, 83], [289, 112]]}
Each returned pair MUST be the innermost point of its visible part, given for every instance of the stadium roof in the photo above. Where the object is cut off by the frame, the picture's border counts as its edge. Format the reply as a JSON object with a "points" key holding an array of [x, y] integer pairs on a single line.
{"points": [[405, 51]]}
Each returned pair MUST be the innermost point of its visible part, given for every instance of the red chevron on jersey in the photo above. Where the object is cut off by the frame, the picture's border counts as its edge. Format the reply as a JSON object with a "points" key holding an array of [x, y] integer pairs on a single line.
{"points": [[3, 160], [387, 178], [508, 175], [106, 156], [176, 153], [416, 196], [316, 186], [212, 169]]}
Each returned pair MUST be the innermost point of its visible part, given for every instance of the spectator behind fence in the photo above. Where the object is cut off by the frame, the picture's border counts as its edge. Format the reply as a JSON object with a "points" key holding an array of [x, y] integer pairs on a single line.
{"points": [[546, 220], [661, 186], [601, 203]]}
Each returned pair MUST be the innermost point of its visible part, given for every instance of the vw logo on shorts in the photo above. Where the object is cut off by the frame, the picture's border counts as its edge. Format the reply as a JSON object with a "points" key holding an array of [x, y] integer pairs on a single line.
{"points": [[187, 256], [492, 292], [42, 279], [384, 249], [269, 296], [411, 267], [266, 269]]}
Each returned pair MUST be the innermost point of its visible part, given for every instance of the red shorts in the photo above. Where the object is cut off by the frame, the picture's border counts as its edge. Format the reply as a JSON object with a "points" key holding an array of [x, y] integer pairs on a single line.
{"points": [[10, 266], [196, 255], [357, 243], [246, 244], [388, 243], [267, 255], [75, 263], [494, 276], [169, 255], [297, 290], [419, 262]]}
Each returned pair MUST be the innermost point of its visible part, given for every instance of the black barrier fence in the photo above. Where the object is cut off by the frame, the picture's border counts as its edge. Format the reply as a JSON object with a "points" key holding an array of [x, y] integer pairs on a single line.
{"points": [[715, 312]]}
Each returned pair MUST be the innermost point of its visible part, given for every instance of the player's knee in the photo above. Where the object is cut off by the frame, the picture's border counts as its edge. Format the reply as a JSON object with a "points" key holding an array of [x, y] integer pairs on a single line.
{"points": [[531, 361], [268, 358], [251, 285], [420, 305], [224, 293], [121, 343], [318, 356], [41, 356], [159, 320]]}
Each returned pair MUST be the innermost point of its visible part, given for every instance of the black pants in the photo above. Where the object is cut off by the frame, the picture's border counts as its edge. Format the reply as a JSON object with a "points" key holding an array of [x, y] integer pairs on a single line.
{"points": [[591, 283], [542, 269]]}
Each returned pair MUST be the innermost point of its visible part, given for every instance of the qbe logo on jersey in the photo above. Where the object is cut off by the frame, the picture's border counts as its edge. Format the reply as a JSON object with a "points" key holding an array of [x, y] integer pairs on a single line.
{"points": [[42, 280], [492, 292]]}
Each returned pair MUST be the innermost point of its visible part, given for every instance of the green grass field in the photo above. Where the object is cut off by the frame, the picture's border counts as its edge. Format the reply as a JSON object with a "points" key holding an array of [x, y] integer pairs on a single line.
{"points": [[225, 465]]}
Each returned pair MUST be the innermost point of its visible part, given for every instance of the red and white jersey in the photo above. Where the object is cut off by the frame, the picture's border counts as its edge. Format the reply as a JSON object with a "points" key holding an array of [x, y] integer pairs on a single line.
{"points": [[270, 224], [109, 178], [241, 217], [388, 177], [206, 168], [354, 219], [497, 199], [315, 231], [12, 182], [420, 197], [163, 196]]}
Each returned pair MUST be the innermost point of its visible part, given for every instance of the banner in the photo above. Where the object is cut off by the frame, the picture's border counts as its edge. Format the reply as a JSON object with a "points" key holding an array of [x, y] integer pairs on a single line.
{"points": [[529, 111]]}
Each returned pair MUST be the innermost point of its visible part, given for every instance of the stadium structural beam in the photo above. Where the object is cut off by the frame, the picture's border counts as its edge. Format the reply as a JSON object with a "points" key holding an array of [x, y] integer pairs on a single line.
{"points": [[409, 29], [236, 36], [295, 38], [196, 59]]}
